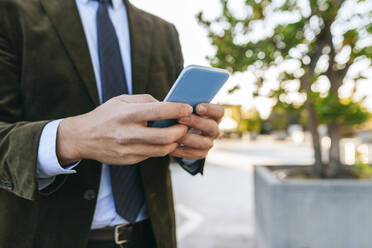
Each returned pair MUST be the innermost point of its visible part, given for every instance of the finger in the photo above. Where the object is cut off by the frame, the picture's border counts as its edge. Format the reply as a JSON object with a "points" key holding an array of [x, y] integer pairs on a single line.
{"points": [[195, 131], [149, 150], [160, 111], [189, 153], [141, 98], [196, 141], [127, 160], [209, 127], [155, 136], [214, 111]]}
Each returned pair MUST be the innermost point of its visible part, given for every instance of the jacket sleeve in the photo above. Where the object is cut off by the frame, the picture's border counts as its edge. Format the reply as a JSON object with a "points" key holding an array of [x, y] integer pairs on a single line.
{"points": [[193, 168], [197, 166], [18, 139]]}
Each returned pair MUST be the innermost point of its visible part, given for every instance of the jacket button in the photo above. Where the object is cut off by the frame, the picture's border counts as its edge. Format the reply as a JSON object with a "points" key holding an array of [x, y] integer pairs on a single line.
{"points": [[6, 184], [90, 194]]}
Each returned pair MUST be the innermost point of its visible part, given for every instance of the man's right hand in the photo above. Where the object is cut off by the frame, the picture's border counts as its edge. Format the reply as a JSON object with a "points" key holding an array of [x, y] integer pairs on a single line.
{"points": [[116, 132]]}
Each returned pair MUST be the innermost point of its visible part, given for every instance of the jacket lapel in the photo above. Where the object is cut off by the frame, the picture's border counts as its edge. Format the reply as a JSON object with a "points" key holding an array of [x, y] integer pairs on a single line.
{"points": [[140, 39], [66, 20]]}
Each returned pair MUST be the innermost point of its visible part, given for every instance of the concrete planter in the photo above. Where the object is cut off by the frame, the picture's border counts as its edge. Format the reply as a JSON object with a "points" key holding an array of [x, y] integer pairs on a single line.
{"points": [[312, 213]]}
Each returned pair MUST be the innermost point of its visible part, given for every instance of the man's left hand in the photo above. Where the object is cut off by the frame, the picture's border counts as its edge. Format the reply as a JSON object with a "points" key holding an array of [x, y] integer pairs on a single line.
{"points": [[203, 131]]}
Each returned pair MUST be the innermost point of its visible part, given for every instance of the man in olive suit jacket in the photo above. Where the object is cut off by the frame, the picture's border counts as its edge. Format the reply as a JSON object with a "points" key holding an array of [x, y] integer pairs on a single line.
{"points": [[79, 166]]}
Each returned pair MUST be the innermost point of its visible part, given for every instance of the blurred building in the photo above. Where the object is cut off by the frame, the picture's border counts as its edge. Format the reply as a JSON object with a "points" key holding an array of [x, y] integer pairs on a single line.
{"points": [[230, 123]]}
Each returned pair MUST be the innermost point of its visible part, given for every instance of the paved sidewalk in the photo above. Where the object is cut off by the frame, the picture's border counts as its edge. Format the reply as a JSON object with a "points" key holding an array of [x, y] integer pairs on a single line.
{"points": [[216, 210]]}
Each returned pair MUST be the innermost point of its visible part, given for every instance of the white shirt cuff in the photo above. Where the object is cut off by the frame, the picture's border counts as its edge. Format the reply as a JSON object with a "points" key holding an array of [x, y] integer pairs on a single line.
{"points": [[47, 162]]}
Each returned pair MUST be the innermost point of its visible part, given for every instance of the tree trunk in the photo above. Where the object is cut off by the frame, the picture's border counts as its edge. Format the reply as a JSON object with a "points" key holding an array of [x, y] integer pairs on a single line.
{"points": [[312, 122], [334, 151], [334, 128]]}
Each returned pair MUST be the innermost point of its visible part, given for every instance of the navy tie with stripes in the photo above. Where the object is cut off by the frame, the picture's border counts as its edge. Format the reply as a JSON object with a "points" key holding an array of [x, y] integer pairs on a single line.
{"points": [[126, 182]]}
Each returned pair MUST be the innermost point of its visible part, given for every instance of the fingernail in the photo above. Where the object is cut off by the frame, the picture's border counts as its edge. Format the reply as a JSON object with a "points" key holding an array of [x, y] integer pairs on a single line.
{"points": [[190, 109], [202, 109], [184, 120]]}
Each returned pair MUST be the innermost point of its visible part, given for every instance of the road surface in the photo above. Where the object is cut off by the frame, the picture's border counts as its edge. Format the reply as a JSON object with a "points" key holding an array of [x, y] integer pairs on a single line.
{"points": [[216, 210]]}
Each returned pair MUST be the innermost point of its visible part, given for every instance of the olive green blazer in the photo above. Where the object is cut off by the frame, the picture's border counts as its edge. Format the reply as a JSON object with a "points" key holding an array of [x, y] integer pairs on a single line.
{"points": [[46, 74]]}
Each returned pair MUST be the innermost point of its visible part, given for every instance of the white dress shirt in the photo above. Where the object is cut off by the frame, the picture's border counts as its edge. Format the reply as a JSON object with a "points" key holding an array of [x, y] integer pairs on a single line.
{"points": [[48, 166]]}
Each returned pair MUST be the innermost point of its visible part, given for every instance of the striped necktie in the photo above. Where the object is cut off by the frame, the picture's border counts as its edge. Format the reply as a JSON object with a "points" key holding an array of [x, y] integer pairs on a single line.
{"points": [[126, 182]]}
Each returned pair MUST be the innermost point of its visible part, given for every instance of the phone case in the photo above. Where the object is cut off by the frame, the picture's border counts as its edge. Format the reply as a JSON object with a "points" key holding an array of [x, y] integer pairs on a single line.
{"points": [[196, 84]]}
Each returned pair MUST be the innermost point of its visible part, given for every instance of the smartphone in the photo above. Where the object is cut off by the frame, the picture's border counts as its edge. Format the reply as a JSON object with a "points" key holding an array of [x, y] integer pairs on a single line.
{"points": [[196, 84]]}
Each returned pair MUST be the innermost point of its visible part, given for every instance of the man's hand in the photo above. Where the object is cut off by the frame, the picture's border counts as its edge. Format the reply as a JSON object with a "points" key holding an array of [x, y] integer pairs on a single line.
{"points": [[204, 130], [116, 132]]}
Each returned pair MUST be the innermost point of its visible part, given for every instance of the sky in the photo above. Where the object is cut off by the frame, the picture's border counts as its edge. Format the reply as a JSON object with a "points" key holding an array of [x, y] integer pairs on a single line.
{"points": [[196, 46]]}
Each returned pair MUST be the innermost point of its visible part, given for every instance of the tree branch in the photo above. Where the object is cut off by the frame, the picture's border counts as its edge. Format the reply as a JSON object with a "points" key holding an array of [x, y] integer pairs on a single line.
{"points": [[315, 56]]}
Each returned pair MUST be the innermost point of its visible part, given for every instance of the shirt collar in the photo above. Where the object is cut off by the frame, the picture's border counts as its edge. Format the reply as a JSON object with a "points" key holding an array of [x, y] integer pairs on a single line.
{"points": [[115, 3]]}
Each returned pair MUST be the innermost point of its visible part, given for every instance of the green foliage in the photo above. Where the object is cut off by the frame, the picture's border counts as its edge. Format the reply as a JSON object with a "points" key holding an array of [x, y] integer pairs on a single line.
{"points": [[305, 30], [361, 169], [315, 37], [284, 114], [289, 36], [233, 89], [369, 28], [346, 111], [351, 37], [251, 121], [250, 125], [280, 123], [302, 38]]}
